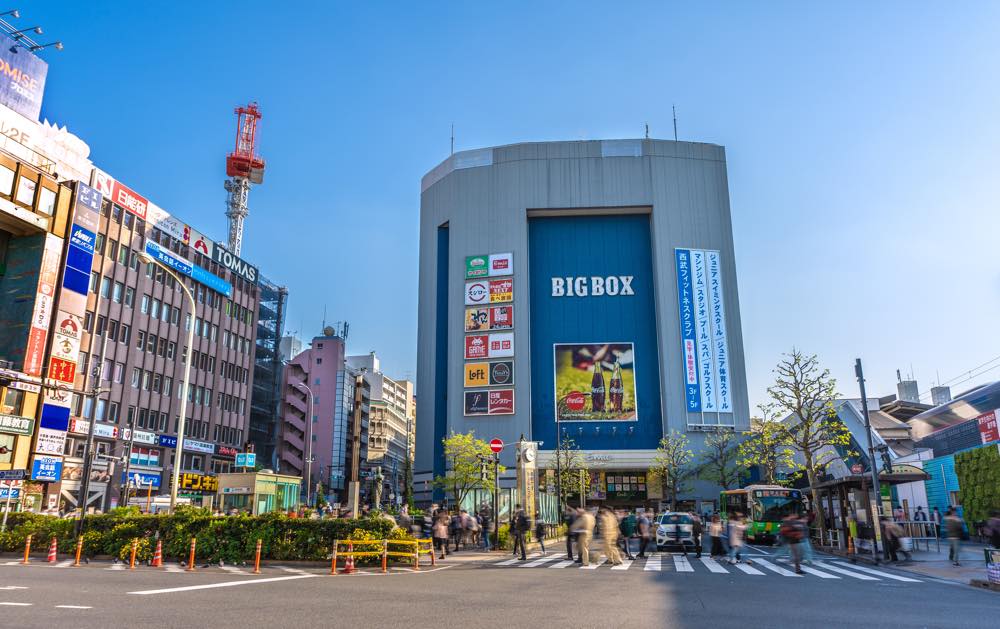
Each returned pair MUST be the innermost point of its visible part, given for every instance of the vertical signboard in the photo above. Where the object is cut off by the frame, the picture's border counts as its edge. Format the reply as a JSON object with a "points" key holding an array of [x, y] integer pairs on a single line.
{"points": [[988, 430], [41, 315], [704, 338], [22, 80]]}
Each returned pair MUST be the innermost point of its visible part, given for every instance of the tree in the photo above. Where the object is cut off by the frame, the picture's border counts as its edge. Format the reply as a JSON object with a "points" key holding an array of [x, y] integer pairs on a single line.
{"points": [[719, 458], [764, 446], [805, 392], [672, 465], [464, 456], [572, 468]]}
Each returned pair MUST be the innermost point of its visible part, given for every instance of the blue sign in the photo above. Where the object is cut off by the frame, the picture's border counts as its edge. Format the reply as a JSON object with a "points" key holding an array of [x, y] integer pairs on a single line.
{"points": [[168, 442], [214, 282], [12, 475], [685, 305], [5, 493], [88, 197], [83, 238], [22, 79], [46, 468], [141, 479], [184, 267], [55, 417], [246, 459]]}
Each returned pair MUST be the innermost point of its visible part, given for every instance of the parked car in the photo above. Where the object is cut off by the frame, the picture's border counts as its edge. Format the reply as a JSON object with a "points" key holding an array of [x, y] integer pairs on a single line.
{"points": [[673, 530]]}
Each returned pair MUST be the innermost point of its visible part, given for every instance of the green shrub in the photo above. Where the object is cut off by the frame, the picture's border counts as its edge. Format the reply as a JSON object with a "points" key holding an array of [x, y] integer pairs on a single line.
{"points": [[978, 474]]}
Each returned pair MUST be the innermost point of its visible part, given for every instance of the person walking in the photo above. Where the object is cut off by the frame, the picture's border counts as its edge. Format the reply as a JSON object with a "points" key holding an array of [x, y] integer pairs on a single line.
{"points": [[920, 515], [455, 528], [540, 530], [519, 527], [953, 528], [485, 521], [696, 530], [645, 530], [583, 528], [891, 532], [609, 534], [736, 531], [627, 528], [792, 533], [440, 532], [936, 519], [806, 547], [569, 516], [715, 532]]}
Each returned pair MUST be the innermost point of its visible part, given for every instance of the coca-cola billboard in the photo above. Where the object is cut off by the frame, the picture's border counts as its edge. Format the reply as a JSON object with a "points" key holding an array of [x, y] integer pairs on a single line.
{"points": [[595, 382]]}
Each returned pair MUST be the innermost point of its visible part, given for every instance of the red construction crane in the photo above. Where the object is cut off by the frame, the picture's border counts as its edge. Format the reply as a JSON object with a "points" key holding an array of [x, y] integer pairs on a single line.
{"points": [[244, 167]]}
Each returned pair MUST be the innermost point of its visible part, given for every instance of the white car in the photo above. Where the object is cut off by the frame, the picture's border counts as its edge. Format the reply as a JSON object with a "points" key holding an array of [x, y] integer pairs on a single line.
{"points": [[674, 530]]}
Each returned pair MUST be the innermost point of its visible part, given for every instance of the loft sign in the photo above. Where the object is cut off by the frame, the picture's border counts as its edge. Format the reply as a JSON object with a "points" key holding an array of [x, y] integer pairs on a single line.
{"points": [[235, 264], [593, 286]]}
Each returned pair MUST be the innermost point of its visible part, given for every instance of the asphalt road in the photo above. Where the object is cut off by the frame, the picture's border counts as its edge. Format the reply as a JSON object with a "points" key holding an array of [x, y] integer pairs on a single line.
{"points": [[548, 594]]}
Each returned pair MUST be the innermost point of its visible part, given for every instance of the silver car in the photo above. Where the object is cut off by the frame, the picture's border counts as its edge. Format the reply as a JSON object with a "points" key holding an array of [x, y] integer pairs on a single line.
{"points": [[674, 530]]}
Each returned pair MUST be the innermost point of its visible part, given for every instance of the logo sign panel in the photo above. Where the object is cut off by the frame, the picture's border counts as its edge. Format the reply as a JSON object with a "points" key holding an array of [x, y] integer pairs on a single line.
{"points": [[169, 258], [501, 317], [246, 459], [501, 290], [198, 482], [199, 446], [46, 468], [476, 346], [162, 220], [22, 79], [129, 199], [501, 264], [62, 370], [476, 374], [141, 479], [988, 429], [502, 373], [476, 403], [477, 293], [15, 424], [140, 437], [235, 264], [477, 319], [12, 475], [501, 345], [593, 286], [50, 441], [55, 417], [169, 442], [501, 402], [198, 241], [476, 266], [82, 427]]}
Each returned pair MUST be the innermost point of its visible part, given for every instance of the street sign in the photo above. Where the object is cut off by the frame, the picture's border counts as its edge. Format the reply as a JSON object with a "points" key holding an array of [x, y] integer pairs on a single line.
{"points": [[246, 459], [496, 445], [12, 475]]}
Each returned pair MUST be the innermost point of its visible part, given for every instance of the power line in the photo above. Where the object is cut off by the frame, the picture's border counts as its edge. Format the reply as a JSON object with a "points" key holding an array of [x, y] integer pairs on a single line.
{"points": [[968, 375]]}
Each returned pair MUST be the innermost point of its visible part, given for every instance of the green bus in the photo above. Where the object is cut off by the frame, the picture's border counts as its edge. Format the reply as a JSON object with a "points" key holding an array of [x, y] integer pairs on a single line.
{"points": [[764, 506]]}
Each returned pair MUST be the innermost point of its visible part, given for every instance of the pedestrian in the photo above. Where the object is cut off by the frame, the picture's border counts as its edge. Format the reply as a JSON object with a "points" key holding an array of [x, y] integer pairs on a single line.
{"points": [[736, 531], [920, 515], [440, 532], [892, 533], [609, 535], [583, 527], [898, 514], [569, 516], [627, 529], [485, 521], [696, 531], [806, 543], [455, 528], [936, 520], [792, 532], [540, 530], [519, 527], [954, 528], [645, 531], [715, 532]]}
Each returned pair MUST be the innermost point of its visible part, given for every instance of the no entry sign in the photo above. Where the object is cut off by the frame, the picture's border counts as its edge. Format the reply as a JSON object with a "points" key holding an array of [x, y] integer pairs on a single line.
{"points": [[496, 445]]}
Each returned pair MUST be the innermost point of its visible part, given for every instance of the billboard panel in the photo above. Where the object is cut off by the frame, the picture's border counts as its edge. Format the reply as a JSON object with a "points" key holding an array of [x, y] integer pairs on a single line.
{"points": [[501, 264], [988, 430], [477, 319], [703, 333], [501, 345], [477, 292], [595, 382], [501, 317], [476, 403], [476, 266], [22, 80], [685, 305], [501, 290], [501, 402]]}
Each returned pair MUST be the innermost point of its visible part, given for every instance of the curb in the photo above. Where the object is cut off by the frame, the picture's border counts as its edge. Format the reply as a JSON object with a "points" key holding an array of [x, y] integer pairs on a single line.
{"points": [[985, 585]]}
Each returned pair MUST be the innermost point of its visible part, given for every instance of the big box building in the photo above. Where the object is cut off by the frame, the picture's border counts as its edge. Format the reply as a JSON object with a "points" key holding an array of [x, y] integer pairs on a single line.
{"points": [[585, 287]]}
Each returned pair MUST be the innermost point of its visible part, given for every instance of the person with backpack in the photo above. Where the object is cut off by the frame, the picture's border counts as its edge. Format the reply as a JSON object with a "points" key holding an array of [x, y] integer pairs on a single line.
{"points": [[645, 533], [627, 529], [540, 530], [485, 520], [792, 533], [519, 526]]}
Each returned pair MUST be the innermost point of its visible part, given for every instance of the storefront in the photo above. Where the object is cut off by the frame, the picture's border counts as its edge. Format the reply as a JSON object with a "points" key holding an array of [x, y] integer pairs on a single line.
{"points": [[259, 492], [198, 488]]}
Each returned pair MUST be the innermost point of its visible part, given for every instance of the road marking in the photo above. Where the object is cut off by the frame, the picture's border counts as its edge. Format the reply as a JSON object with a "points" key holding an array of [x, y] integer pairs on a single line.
{"points": [[624, 565], [760, 550], [14, 587], [818, 573], [565, 563], [74, 607], [595, 565], [539, 562], [770, 566], [833, 568], [681, 564], [225, 584], [713, 565], [116, 566], [234, 570], [507, 562], [64, 564], [292, 570], [16, 604], [887, 575], [653, 563], [749, 569]]}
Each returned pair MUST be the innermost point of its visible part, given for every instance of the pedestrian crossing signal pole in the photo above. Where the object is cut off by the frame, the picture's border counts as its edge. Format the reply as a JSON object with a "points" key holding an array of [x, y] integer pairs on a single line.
{"points": [[876, 489]]}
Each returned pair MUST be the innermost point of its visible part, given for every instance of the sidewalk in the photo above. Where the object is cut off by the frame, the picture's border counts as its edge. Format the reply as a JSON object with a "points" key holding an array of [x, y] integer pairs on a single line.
{"points": [[935, 563]]}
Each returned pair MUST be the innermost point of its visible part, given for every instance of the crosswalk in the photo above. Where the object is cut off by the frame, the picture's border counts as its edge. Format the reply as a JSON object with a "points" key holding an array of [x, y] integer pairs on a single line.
{"points": [[683, 565]]}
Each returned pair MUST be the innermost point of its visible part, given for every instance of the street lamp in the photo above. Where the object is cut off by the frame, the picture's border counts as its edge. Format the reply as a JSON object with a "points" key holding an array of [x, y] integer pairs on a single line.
{"points": [[179, 450], [309, 455]]}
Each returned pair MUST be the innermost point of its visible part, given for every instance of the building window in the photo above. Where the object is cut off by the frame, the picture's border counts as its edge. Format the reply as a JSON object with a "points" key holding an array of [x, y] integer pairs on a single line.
{"points": [[136, 376], [144, 307], [119, 372], [12, 401], [123, 255], [126, 334], [140, 340], [105, 287], [94, 276], [119, 290], [129, 296]]}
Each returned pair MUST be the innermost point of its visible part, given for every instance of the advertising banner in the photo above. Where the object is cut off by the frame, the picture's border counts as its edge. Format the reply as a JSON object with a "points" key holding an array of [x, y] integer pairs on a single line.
{"points": [[501, 402], [685, 305], [477, 319], [140, 437], [22, 80], [141, 480], [476, 403], [595, 382], [46, 468], [44, 303], [235, 264], [501, 264], [62, 370], [199, 482], [719, 339], [476, 346], [501, 290], [162, 220], [477, 374], [130, 200], [477, 292], [74, 472], [55, 417], [185, 267], [476, 266], [198, 241], [15, 424], [501, 317], [703, 333], [50, 441], [246, 459], [501, 345], [988, 430], [199, 446], [502, 372]]}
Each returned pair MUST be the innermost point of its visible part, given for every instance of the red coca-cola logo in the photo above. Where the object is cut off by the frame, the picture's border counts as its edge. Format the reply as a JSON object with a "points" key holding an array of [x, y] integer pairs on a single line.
{"points": [[575, 401]]}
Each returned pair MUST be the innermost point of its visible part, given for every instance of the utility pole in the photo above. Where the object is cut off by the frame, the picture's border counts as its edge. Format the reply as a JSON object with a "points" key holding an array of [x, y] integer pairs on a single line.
{"points": [[88, 450], [559, 500], [876, 489]]}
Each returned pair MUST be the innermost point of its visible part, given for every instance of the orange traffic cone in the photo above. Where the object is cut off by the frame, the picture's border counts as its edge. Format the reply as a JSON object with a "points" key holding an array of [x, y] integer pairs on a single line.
{"points": [[349, 564], [52, 551], [158, 555]]}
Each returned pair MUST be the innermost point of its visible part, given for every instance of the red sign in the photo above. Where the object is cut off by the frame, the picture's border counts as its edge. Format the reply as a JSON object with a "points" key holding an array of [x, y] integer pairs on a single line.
{"points": [[62, 370], [575, 401], [501, 290], [496, 445], [501, 402], [226, 451], [475, 346], [501, 317], [129, 200], [988, 430], [35, 351]]}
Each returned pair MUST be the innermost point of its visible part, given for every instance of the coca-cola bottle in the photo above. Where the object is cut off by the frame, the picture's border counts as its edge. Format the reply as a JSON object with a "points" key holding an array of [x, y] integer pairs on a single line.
{"points": [[597, 388], [616, 389]]}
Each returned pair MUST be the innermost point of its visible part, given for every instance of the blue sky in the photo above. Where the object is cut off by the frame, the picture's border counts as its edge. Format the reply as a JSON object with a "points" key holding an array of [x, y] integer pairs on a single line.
{"points": [[862, 145]]}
